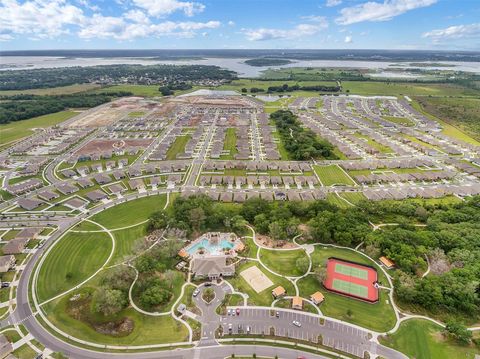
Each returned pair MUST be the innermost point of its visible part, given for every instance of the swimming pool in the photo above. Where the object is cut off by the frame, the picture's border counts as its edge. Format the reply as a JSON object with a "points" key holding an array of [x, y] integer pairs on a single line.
{"points": [[209, 247]]}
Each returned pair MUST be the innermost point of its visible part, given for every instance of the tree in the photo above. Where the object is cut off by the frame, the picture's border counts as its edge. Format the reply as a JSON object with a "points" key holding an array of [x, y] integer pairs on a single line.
{"points": [[155, 295], [197, 218], [459, 332], [109, 301], [321, 274], [302, 264]]}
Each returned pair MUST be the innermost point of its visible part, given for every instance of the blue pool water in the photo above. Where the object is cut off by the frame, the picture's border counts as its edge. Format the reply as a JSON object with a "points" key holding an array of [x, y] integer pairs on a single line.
{"points": [[210, 248]]}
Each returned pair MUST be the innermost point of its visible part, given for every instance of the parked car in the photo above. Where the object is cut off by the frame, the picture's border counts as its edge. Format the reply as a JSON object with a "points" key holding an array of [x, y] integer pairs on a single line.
{"points": [[297, 324], [238, 311], [196, 292], [208, 284], [5, 284], [230, 327], [248, 329], [277, 314]]}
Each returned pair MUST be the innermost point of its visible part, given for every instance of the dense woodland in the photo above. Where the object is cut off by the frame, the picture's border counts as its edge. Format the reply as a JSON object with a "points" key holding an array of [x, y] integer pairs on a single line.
{"points": [[448, 235], [21, 107], [301, 143], [260, 62], [287, 88], [133, 74]]}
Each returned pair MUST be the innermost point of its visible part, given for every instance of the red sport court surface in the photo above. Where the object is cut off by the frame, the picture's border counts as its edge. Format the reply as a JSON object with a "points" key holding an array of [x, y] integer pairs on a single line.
{"points": [[351, 279]]}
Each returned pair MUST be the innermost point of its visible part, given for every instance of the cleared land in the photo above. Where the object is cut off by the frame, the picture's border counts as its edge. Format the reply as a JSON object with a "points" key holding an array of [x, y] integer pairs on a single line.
{"points": [[14, 131], [73, 259], [62, 90], [330, 175], [121, 215], [422, 339]]}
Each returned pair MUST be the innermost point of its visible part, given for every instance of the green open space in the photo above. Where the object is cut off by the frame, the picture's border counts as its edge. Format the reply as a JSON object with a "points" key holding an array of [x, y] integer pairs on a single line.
{"points": [[332, 175], [353, 197], [24, 352], [399, 120], [459, 116], [370, 141], [378, 316], [422, 339], [334, 199], [147, 329], [283, 262], [178, 147], [14, 131], [230, 144], [73, 259], [131, 212], [264, 298], [125, 240]]}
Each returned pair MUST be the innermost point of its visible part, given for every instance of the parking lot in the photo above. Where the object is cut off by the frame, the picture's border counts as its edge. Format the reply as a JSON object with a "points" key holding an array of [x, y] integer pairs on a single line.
{"points": [[264, 321]]}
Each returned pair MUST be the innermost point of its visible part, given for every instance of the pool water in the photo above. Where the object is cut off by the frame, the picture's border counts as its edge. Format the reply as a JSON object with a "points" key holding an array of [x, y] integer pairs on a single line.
{"points": [[209, 247]]}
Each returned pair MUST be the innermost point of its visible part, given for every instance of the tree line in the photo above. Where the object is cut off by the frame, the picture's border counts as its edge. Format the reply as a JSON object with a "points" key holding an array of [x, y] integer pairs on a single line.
{"points": [[133, 74], [301, 143], [21, 107]]}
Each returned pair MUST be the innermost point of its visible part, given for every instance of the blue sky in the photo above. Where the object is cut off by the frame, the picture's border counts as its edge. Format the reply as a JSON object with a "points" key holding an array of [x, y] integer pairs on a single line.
{"points": [[170, 24]]}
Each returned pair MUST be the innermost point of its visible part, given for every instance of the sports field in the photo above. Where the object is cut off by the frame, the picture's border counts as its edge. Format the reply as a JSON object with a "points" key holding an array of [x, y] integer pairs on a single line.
{"points": [[351, 279]]}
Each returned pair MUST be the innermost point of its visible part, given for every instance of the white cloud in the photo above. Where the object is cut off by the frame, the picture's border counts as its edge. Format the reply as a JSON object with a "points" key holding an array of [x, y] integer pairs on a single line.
{"points": [[39, 18], [348, 40], [231, 23], [166, 7], [454, 32], [301, 30], [374, 11], [119, 28], [331, 3]]}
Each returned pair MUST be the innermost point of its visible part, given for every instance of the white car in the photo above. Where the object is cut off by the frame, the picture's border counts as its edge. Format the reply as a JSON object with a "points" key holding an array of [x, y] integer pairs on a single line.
{"points": [[196, 292], [297, 324]]}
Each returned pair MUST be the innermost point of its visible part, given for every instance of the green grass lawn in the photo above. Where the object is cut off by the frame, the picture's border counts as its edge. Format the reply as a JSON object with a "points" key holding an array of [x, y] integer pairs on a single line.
{"points": [[282, 262], [422, 339], [147, 329], [125, 240], [370, 141], [330, 175], [337, 201], [24, 352], [399, 120], [177, 147], [230, 144], [379, 316], [251, 248], [353, 197], [14, 131], [131, 212], [263, 298], [73, 259]]}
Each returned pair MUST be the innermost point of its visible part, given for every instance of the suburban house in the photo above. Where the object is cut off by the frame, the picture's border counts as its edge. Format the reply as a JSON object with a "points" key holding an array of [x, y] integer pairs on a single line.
{"points": [[212, 267]]}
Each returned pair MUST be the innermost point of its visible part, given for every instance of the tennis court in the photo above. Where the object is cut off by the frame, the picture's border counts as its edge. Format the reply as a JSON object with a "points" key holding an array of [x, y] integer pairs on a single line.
{"points": [[351, 279], [351, 271], [350, 288]]}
